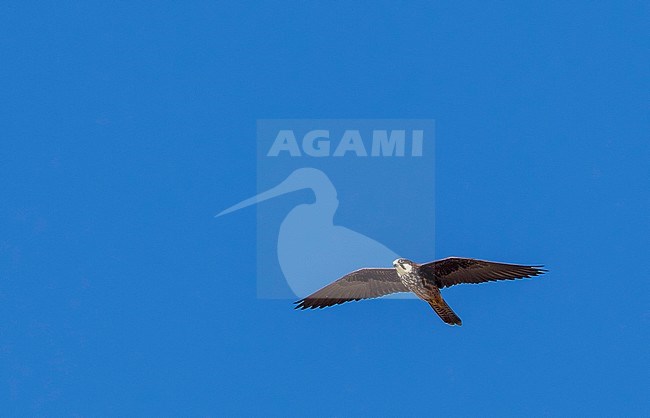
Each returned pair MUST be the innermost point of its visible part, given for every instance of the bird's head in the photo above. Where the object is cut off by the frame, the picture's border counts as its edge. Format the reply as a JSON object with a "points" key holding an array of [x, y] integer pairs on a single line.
{"points": [[404, 266]]}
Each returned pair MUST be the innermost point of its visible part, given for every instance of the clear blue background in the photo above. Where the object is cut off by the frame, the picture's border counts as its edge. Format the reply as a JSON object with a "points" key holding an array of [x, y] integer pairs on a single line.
{"points": [[125, 127]]}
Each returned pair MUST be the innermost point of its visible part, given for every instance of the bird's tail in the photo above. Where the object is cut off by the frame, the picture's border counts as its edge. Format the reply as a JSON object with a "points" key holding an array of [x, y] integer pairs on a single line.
{"points": [[444, 311]]}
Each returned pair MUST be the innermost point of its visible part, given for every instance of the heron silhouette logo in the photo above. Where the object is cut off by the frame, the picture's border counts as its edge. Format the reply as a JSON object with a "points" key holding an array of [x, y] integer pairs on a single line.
{"points": [[311, 243], [309, 229]]}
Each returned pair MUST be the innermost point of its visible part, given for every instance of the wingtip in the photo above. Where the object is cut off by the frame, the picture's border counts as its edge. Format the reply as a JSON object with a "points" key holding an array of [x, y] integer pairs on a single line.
{"points": [[539, 269], [302, 305]]}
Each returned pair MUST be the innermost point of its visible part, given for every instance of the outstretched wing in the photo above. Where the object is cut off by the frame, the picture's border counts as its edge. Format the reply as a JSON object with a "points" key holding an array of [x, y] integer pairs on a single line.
{"points": [[453, 270], [360, 284]]}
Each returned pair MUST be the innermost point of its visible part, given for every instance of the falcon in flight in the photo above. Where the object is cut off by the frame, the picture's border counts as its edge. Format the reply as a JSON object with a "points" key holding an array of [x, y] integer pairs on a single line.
{"points": [[425, 280]]}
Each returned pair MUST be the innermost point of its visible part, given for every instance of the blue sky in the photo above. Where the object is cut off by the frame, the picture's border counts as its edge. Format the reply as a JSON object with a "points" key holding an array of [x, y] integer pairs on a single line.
{"points": [[124, 128]]}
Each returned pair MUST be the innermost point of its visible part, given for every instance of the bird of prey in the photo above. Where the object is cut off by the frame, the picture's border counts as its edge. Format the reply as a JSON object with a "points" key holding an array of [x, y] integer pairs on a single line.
{"points": [[425, 280]]}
